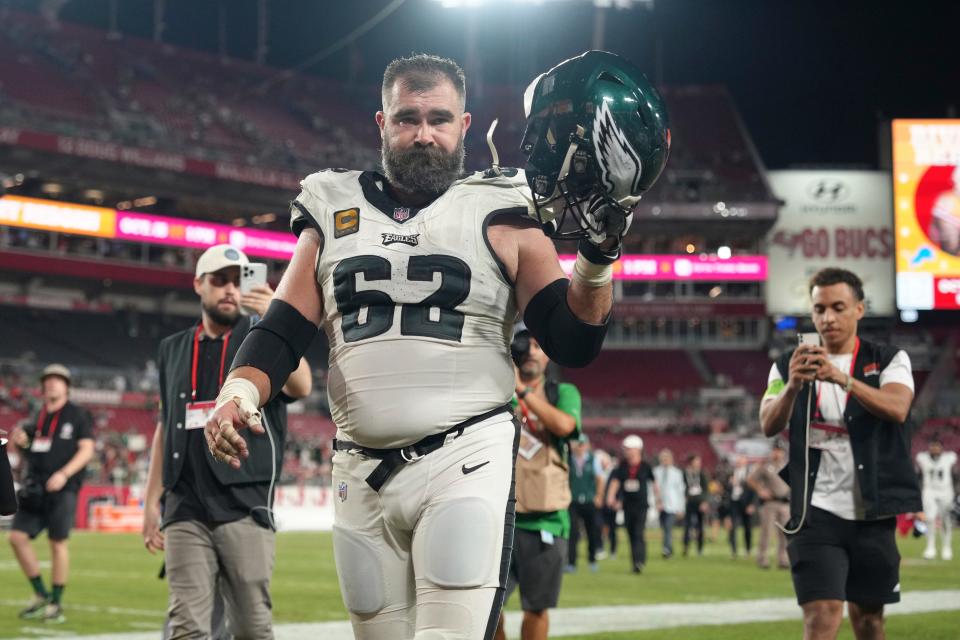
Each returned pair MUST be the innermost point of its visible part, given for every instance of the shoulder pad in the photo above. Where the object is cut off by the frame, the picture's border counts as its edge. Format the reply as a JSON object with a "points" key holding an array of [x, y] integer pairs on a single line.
{"points": [[318, 190], [500, 177], [509, 185]]}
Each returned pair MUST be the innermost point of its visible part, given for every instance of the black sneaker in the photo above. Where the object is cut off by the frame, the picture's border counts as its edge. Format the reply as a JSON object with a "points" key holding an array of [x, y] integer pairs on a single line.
{"points": [[35, 609], [53, 614]]}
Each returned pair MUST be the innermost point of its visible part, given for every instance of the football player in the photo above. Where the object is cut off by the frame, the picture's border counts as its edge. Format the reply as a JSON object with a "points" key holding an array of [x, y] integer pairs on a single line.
{"points": [[937, 474], [417, 276]]}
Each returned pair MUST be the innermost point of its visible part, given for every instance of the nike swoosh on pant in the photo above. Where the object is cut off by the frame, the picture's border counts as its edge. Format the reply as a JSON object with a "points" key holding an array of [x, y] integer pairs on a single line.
{"points": [[467, 469]]}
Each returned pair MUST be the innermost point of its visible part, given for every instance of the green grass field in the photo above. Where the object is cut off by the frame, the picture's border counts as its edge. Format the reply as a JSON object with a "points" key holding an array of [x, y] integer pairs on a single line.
{"points": [[114, 588]]}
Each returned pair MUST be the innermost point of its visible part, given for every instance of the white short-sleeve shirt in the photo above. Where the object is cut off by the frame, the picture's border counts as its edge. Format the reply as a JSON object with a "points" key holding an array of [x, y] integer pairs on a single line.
{"points": [[836, 487]]}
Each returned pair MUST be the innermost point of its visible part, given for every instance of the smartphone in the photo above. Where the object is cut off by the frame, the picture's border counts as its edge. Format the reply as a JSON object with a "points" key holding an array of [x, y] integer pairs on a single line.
{"points": [[252, 275], [811, 339]]}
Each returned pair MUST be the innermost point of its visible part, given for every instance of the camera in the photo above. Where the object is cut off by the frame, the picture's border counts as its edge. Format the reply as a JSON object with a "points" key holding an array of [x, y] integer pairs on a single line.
{"points": [[520, 346]]}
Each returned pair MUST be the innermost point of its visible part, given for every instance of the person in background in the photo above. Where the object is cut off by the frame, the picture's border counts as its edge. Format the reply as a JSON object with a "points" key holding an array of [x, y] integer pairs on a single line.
{"points": [[58, 445], [695, 489], [608, 516], [629, 490], [774, 496], [670, 480], [845, 401], [216, 525], [586, 488], [741, 504], [937, 475]]}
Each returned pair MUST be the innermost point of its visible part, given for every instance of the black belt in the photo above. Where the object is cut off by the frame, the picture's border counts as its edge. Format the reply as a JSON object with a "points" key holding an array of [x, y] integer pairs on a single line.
{"points": [[783, 500], [392, 459]]}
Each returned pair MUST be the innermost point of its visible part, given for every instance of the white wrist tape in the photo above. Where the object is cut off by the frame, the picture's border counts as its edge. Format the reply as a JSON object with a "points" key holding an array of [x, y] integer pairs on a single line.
{"points": [[245, 394], [591, 275]]}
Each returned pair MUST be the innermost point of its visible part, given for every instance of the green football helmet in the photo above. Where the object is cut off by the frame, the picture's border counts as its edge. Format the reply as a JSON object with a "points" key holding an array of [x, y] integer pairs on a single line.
{"points": [[597, 138]]}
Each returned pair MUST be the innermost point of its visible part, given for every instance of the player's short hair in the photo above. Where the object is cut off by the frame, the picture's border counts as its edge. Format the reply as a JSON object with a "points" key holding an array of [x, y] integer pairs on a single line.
{"points": [[422, 71], [935, 439], [833, 275]]}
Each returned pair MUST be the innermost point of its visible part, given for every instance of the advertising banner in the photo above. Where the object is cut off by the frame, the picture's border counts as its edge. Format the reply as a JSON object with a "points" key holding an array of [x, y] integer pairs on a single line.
{"points": [[830, 219]]}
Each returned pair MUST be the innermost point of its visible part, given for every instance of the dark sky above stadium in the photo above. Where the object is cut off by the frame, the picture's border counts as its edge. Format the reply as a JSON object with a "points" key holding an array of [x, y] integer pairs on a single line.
{"points": [[814, 79]]}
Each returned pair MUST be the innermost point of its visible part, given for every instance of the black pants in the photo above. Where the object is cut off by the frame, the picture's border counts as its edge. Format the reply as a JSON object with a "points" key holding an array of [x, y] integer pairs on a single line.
{"points": [[609, 517], [586, 513], [693, 520], [635, 520], [739, 516]]}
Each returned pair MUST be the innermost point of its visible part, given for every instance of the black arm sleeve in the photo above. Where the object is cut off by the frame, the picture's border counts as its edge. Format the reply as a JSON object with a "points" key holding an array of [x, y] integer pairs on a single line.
{"points": [[276, 344], [568, 340]]}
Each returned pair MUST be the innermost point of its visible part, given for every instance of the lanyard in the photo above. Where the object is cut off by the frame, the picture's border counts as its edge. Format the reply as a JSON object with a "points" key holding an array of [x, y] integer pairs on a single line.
{"points": [[53, 422], [853, 362], [196, 356]]}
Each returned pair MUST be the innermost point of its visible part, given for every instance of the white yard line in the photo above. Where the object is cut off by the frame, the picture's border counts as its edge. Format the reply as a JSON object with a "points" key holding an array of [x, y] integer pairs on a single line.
{"points": [[587, 620], [121, 611]]}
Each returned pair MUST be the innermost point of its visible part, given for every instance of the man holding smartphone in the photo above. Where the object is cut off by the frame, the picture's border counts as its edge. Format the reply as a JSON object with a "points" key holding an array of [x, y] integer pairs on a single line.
{"points": [[217, 527], [850, 470]]}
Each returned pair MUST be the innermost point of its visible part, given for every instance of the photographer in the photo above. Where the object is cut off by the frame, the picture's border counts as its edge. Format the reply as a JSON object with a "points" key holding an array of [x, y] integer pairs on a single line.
{"points": [[849, 470], [58, 444], [549, 413]]}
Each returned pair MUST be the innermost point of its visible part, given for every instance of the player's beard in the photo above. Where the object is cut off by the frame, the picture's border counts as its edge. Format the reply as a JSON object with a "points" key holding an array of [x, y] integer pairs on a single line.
{"points": [[220, 317], [426, 170]]}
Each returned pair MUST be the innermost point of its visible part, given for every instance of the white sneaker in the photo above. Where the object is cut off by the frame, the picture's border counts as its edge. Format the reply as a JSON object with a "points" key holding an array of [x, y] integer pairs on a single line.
{"points": [[947, 553], [930, 554]]}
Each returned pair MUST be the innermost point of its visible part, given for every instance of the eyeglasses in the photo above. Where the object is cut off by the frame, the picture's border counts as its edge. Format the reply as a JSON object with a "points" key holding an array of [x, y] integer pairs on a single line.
{"points": [[220, 279]]}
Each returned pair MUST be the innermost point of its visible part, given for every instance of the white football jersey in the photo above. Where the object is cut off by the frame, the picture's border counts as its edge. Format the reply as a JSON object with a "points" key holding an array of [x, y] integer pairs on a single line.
{"points": [[937, 474], [418, 310]]}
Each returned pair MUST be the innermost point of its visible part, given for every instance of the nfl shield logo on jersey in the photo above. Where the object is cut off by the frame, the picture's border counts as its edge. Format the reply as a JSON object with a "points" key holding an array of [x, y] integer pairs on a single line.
{"points": [[342, 491], [401, 213]]}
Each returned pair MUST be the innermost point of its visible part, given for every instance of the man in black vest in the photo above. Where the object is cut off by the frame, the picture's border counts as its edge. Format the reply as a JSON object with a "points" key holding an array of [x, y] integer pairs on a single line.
{"points": [[217, 525], [850, 471], [58, 444]]}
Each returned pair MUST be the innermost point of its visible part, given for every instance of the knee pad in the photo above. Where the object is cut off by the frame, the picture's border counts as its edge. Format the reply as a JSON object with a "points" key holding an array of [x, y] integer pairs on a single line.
{"points": [[461, 544], [360, 572]]}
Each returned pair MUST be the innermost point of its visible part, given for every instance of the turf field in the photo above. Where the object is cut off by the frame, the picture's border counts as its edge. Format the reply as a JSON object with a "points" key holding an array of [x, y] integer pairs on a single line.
{"points": [[114, 589]]}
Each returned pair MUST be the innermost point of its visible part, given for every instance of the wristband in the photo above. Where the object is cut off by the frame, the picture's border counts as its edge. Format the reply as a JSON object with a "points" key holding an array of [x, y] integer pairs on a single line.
{"points": [[590, 274], [246, 396]]}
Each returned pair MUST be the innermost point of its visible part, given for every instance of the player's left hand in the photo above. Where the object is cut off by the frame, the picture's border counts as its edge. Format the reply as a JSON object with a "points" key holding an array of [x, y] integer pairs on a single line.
{"points": [[56, 482], [258, 300], [222, 432]]}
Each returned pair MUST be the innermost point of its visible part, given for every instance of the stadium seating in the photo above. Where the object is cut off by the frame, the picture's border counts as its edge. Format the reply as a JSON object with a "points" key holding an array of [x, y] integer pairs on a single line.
{"points": [[135, 92], [639, 375], [747, 369]]}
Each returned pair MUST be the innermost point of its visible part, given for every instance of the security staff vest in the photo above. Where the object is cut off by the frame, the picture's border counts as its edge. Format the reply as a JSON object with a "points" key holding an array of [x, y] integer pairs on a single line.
{"points": [[881, 449], [174, 363]]}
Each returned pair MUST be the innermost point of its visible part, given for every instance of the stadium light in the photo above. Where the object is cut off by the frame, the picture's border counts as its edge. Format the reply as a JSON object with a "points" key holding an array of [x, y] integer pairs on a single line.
{"points": [[909, 315], [600, 4], [724, 253]]}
